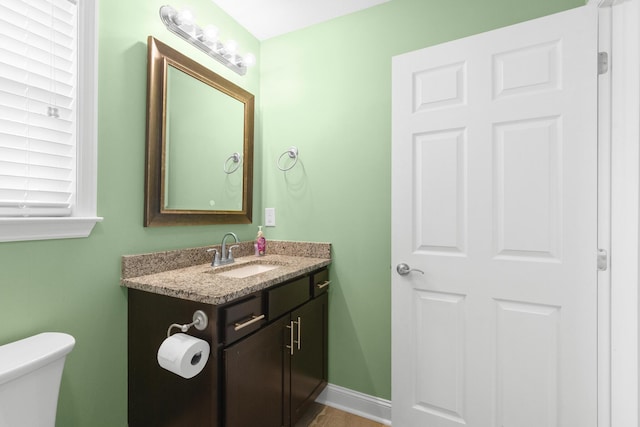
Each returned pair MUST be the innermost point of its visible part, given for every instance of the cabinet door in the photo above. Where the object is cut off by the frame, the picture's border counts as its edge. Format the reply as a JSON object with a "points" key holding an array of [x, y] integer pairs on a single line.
{"points": [[253, 380], [309, 362]]}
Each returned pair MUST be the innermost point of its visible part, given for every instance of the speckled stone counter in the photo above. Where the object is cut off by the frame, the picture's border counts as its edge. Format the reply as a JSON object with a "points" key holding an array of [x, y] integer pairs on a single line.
{"points": [[188, 274]]}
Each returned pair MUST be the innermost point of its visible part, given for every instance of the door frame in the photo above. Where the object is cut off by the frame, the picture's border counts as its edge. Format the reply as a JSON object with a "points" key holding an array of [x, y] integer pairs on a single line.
{"points": [[619, 212]]}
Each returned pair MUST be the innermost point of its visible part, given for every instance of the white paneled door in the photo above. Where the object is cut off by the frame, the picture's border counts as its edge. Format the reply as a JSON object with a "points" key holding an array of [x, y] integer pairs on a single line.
{"points": [[494, 200]]}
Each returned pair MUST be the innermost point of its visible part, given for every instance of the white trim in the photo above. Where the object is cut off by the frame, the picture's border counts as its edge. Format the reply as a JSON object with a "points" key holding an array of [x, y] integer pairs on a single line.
{"points": [[354, 402], [619, 214], [84, 216], [604, 223], [87, 151], [625, 211], [21, 229]]}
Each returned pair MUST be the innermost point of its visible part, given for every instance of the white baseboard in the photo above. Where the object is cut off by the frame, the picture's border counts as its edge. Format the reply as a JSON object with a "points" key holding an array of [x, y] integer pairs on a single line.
{"points": [[354, 402]]}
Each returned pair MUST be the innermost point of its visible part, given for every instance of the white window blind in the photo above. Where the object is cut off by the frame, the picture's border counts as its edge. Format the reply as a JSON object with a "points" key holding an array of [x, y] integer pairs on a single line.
{"points": [[38, 123]]}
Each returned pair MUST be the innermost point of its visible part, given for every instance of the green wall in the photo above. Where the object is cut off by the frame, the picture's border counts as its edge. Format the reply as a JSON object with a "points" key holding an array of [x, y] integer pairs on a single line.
{"points": [[73, 285], [325, 89]]}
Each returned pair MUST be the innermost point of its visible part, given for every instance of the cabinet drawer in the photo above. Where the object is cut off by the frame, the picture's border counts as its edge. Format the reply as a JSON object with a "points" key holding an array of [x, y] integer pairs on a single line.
{"points": [[320, 282], [243, 318], [286, 297]]}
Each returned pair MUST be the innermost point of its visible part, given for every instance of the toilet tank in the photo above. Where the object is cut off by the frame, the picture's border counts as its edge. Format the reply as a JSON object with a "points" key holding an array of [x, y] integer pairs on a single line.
{"points": [[30, 373]]}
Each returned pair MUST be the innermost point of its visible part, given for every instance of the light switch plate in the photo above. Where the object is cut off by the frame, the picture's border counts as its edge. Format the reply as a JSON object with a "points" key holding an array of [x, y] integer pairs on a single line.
{"points": [[270, 217]]}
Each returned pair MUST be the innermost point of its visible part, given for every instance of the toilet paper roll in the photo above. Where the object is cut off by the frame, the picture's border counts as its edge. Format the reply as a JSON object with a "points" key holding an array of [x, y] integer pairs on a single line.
{"points": [[183, 355]]}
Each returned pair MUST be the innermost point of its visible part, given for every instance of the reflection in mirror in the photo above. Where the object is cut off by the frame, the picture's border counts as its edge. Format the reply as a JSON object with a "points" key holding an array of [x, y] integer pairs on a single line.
{"points": [[204, 127], [199, 144]]}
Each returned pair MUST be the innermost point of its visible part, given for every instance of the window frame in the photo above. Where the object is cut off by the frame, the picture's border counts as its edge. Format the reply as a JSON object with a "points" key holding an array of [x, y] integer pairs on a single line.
{"points": [[84, 217]]}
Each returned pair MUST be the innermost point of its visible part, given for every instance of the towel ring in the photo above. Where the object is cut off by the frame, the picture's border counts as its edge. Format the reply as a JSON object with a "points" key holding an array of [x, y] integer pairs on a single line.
{"points": [[228, 168], [293, 154]]}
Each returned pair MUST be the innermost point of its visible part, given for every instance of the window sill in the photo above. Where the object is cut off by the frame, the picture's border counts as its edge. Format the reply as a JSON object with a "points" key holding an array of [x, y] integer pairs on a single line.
{"points": [[20, 229]]}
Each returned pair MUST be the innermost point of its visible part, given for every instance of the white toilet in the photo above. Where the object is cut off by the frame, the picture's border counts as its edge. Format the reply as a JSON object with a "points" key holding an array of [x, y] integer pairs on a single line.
{"points": [[30, 373]]}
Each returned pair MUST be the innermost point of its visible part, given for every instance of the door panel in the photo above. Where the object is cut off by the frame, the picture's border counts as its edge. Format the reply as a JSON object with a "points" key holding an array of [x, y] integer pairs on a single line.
{"points": [[527, 188], [439, 377], [440, 165], [527, 396], [494, 163]]}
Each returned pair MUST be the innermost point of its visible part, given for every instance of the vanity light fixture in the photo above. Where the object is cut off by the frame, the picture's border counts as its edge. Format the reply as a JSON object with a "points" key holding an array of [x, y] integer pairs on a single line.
{"points": [[206, 39]]}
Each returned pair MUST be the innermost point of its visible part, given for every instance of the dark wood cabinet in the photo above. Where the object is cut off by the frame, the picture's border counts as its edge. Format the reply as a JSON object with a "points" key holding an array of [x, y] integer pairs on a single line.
{"points": [[268, 358], [254, 386], [308, 370], [156, 397], [272, 376]]}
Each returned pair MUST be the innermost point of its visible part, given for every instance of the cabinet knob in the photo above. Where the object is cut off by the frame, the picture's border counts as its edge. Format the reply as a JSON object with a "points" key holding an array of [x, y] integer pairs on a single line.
{"points": [[299, 341], [254, 319], [323, 284], [292, 340]]}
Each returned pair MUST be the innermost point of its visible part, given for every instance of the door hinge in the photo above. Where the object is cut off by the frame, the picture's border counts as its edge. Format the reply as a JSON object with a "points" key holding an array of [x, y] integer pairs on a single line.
{"points": [[603, 62], [603, 260]]}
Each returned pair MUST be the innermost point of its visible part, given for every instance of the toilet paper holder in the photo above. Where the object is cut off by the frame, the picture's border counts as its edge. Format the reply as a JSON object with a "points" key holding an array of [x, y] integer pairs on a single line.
{"points": [[200, 321]]}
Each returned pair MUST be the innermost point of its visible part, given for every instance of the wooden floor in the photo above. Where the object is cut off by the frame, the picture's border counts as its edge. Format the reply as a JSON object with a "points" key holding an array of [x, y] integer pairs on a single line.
{"points": [[325, 416]]}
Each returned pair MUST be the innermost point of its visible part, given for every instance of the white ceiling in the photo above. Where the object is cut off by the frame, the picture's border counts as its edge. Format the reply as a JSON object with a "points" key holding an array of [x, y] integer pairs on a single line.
{"points": [[269, 18]]}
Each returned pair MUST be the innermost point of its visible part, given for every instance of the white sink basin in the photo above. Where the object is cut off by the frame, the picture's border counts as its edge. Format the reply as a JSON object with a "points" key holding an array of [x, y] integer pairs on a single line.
{"points": [[247, 270]]}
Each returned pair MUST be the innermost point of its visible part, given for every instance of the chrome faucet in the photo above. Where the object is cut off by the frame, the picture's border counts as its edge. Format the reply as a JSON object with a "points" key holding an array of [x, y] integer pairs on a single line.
{"points": [[227, 258], [215, 261]]}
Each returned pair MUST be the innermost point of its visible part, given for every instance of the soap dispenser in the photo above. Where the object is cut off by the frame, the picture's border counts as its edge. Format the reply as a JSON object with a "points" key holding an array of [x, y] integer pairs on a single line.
{"points": [[261, 243]]}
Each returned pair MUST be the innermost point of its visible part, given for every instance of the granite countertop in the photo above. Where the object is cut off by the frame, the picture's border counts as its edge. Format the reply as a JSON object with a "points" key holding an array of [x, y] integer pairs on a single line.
{"points": [[203, 283]]}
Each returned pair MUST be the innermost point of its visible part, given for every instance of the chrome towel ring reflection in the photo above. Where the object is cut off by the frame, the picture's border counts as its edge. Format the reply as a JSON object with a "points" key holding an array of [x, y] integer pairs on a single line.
{"points": [[230, 167], [293, 154]]}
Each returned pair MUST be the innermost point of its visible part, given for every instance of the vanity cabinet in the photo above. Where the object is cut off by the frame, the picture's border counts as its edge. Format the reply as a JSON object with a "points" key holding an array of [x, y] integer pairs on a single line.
{"points": [[308, 371], [253, 379], [268, 358], [273, 376]]}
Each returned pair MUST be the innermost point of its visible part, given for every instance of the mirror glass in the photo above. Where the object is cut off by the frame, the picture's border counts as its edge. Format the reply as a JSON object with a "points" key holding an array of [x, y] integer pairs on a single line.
{"points": [[199, 143], [204, 132]]}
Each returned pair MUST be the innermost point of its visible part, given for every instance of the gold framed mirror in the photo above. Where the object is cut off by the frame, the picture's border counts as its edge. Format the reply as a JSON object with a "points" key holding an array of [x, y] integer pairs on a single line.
{"points": [[199, 152]]}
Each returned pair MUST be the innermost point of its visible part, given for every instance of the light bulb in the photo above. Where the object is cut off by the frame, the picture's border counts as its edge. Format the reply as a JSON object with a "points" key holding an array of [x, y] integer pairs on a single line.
{"points": [[249, 60], [210, 33], [186, 20], [231, 46], [185, 17]]}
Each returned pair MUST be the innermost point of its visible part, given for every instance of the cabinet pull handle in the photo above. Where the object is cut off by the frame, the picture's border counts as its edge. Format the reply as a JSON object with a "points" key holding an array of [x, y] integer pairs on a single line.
{"points": [[254, 319], [290, 327], [323, 284], [299, 341]]}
